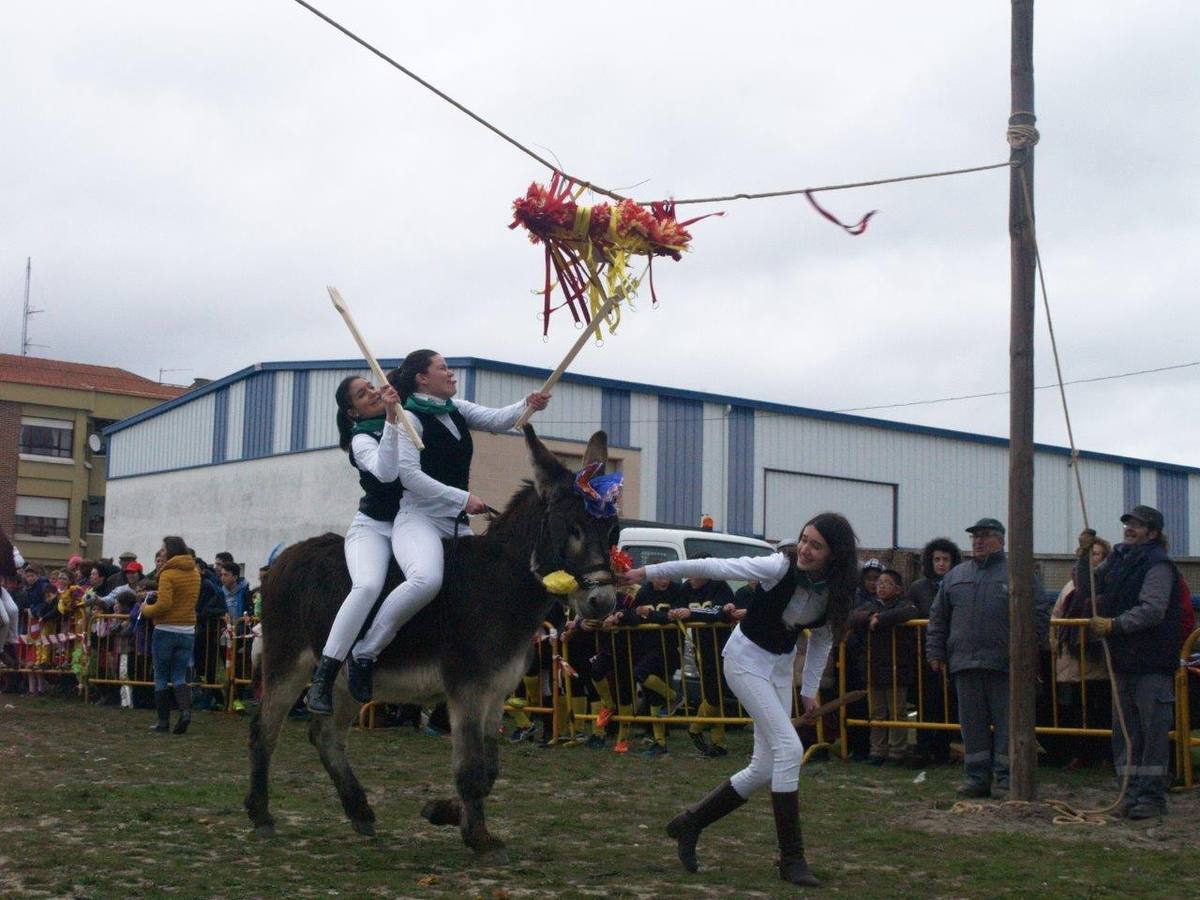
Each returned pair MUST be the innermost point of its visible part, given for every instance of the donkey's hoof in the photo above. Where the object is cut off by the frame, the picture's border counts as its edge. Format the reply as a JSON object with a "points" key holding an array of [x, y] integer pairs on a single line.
{"points": [[442, 812], [361, 826], [266, 830]]}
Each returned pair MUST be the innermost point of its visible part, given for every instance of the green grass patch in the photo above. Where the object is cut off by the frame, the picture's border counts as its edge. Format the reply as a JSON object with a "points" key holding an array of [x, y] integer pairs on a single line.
{"points": [[95, 805]]}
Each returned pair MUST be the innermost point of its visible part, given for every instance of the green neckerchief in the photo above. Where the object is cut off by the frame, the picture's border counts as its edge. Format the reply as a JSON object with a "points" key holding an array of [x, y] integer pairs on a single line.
{"points": [[369, 426], [430, 406]]}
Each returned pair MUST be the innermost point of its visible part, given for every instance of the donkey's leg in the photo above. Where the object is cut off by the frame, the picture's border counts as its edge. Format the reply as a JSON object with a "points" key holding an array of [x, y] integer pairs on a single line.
{"points": [[328, 735], [491, 742], [467, 717], [279, 694]]}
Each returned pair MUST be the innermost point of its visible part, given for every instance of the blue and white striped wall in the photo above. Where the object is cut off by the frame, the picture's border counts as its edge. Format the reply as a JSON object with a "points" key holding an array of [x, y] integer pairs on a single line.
{"points": [[757, 468]]}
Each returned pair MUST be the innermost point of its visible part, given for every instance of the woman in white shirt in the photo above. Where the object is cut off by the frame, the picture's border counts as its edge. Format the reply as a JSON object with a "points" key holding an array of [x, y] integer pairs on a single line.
{"points": [[367, 423], [10, 561], [436, 499], [814, 592]]}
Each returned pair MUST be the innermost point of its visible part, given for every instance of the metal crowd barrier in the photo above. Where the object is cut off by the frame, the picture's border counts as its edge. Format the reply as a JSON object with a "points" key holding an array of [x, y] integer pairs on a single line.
{"points": [[120, 655], [694, 670], [117, 652], [1180, 735], [546, 662], [48, 648]]}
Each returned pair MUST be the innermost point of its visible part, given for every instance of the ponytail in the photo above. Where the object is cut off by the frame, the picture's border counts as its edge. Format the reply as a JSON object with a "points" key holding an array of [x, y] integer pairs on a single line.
{"points": [[404, 379]]}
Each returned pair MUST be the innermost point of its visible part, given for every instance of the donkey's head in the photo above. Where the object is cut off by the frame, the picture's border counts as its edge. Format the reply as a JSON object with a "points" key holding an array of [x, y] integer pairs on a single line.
{"points": [[579, 524]]}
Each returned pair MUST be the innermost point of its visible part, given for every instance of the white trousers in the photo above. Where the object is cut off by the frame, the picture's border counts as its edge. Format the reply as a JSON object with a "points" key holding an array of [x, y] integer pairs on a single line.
{"points": [[9, 616], [417, 545], [762, 682], [368, 552]]}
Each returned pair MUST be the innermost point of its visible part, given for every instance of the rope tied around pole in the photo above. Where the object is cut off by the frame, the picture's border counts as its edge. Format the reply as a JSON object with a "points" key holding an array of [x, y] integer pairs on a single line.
{"points": [[1022, 135]]}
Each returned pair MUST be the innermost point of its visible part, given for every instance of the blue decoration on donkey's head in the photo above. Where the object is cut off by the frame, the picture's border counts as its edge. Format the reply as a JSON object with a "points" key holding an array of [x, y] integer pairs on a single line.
{"points": [[600, 493]]}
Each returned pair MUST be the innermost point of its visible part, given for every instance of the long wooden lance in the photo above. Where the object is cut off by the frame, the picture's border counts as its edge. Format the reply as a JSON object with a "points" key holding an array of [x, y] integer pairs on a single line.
{"points": [[340, 305], [608, 306]]}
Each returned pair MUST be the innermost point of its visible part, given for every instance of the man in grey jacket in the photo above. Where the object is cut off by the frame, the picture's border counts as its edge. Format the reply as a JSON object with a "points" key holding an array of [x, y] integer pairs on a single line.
{"points": [[968, 631]]}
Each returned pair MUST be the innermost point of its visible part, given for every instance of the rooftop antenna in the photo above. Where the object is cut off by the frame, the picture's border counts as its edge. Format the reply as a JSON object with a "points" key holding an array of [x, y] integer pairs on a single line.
{"points": [[28, 311], [161, 372]]}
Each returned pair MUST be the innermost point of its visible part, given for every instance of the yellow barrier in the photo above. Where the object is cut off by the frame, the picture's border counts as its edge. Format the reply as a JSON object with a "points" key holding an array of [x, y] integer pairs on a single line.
{"points": [[121, 654], [678, 644], [546, 660], [1180, 734], [48, 648]]}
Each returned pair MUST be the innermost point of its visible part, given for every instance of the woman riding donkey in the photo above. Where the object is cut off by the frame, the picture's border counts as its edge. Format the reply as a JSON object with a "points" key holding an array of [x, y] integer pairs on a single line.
{"points": [[411, 500], [812, 592]]}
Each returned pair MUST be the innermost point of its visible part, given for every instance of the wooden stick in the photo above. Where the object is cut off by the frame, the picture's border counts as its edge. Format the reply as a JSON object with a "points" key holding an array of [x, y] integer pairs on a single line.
{"points": [[835, 704], [340, 305], [609, 304]]}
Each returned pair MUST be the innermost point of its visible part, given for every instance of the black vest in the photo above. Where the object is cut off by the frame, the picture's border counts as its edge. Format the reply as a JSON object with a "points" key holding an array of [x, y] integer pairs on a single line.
{"points": [[763, 623], [1153, 649], [380, 500], [445, 458]]}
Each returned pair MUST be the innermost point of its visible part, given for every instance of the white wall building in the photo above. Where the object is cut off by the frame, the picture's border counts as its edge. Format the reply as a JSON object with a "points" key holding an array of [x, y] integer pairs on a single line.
{"points": [[250, 461]]}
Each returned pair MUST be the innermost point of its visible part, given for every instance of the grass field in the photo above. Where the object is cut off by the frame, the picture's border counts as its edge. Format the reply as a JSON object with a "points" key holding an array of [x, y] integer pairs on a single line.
{"points": [[94, 805]]}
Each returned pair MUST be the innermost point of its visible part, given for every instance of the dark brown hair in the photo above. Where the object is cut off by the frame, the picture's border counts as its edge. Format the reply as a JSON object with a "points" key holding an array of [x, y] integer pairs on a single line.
{"points": [[404, 379], [175, 546], [841, 571]]}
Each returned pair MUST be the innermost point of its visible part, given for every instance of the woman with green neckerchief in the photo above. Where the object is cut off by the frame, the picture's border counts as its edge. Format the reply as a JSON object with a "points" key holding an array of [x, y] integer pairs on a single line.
{"points": [[368, 430], [435, 500]]}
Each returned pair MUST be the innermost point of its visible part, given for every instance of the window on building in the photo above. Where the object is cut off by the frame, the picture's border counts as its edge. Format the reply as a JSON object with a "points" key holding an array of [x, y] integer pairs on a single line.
{"points": [[95, 515], [42, 517], [46, 437]]}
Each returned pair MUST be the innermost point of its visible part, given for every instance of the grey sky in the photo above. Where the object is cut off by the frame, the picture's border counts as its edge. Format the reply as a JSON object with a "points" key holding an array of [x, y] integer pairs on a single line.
{"points": [[188, 178]]}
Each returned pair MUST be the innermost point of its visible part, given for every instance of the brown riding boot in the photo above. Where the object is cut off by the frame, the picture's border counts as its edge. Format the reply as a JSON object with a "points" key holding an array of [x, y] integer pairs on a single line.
{"points": [[685, 828], [792, 865]]}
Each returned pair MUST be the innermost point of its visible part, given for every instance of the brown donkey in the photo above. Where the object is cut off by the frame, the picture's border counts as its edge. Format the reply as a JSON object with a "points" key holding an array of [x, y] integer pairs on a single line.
{"points": [[469, 646]]}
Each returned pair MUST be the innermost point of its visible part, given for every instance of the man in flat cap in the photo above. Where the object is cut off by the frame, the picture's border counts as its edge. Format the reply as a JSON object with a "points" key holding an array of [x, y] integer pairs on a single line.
{"points": [[968, 633], [1139, 591]]}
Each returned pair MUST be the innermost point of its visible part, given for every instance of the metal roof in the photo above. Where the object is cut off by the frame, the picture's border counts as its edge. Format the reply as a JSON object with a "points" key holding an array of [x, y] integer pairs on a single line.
{"points": [[491, 365]]}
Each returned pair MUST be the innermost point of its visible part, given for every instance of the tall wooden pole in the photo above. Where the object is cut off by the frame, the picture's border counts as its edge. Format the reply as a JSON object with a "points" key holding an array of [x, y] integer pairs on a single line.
{"points": [[1023, 650]]}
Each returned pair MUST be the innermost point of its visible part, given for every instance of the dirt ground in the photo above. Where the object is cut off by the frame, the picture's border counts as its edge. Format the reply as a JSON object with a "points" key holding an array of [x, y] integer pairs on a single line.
{"points": [[93, 805]]}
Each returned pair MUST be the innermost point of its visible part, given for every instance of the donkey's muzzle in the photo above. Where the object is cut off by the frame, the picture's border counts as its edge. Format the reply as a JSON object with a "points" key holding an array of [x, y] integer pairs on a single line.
{"points": [[598, 601]]}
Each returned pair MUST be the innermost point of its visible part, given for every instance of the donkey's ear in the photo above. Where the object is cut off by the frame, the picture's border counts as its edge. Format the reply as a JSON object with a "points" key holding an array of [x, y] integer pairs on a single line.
{"points": [[549, 475], [597, 451]]}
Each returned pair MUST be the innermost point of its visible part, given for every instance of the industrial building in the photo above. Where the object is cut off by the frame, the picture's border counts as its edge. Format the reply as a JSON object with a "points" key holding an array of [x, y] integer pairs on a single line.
{"points": [[250, 461]]}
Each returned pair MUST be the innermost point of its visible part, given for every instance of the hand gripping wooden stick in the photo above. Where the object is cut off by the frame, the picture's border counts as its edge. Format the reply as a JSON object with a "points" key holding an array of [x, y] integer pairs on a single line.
{"points": [[340, 305], [594, 325]]}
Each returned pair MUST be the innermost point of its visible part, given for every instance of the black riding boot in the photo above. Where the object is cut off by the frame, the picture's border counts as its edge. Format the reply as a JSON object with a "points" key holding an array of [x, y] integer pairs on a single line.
{"points": [[162, 703], [183, 696], [319, 698], [686, 826], [359, 673], [792, 865]]}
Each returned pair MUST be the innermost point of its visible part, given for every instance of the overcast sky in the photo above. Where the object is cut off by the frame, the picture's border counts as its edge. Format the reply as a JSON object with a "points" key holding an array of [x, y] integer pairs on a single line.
{"points": [[188, 178]]}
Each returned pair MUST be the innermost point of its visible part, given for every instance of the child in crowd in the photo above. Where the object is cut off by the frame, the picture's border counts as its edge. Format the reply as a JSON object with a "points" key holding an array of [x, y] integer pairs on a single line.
{"points": [[42, 601], [121, 642], [887, 662]]}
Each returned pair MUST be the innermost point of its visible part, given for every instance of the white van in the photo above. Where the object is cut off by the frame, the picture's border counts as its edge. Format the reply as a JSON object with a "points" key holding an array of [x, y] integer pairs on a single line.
{"points": [[655, 545]]}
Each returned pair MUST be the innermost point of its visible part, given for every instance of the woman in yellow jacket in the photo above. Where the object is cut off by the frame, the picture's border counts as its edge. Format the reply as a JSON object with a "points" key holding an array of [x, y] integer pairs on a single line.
{"points": [[173, 612]]}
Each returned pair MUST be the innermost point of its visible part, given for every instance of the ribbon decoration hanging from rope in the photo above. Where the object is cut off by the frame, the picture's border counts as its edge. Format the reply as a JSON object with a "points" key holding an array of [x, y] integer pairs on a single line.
{"points": [[588, 248], [856, 229]]}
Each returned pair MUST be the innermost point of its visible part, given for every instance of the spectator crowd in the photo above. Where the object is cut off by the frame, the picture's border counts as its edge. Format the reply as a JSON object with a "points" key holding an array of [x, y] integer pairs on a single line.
{"points": [[94, 620]]}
